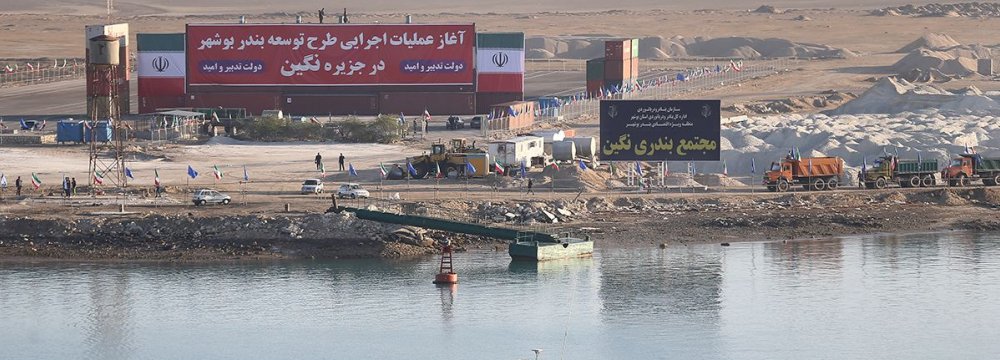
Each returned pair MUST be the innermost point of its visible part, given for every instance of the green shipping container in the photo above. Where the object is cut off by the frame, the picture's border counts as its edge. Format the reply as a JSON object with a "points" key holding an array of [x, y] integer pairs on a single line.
{"points": [[635, 48], [595, 69]]}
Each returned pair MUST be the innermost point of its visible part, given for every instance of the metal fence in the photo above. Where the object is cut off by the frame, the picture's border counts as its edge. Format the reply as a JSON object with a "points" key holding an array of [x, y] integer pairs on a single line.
{"points": [[29, 76]]}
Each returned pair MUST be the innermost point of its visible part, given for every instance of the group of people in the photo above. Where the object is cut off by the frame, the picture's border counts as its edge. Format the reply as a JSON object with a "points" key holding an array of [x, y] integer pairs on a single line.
{"points": [[68, 185], [17, 184], [319, 162]]}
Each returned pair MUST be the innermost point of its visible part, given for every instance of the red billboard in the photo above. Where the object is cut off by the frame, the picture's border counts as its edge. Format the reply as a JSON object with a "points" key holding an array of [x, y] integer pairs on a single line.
{"points": [[330, 54]]}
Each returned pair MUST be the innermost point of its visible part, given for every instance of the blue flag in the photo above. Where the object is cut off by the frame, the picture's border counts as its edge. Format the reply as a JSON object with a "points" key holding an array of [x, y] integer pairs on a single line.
{"points": [[351, 171], [638, 169], [753, 166], [246, 175], [469, 169], [582, 165], [128, 172], [411, 169], [864, 164], [524, 170], [193, 174]]}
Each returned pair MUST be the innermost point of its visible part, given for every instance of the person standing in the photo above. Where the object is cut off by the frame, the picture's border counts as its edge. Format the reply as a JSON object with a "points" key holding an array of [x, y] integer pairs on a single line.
{"points": [[322, 14], [17, 185], [72, 184], [319, 162], [530, 183], [66, 186], [341, 161]]}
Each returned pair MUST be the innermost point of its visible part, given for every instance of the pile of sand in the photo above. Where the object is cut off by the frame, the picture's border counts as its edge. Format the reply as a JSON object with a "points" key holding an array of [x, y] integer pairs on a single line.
{"points": [[974, 9], [932, 41], [950, 63], [717, 180], [892, 96], [797, 104], [658, 47], [767, 9], [931, 133], [573, 177]]}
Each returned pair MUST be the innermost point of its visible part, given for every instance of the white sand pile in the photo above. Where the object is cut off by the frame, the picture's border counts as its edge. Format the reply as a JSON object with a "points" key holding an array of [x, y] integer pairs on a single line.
{"points": [[931, 41], [945, 62], [934, 134], [658, 47], [717, 180], [891, 96]]}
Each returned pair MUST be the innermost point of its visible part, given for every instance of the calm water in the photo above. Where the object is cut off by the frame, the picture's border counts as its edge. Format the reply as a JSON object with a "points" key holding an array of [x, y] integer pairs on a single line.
{"points": [[896, 297]]}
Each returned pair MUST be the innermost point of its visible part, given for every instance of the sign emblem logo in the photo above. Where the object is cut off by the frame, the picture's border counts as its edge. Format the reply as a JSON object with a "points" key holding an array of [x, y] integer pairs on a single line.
{"points": [[706, 111], [160, 64], [500, 59], [612, 111]]}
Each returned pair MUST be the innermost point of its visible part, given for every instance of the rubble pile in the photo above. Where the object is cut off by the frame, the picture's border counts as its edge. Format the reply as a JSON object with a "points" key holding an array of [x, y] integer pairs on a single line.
{"points": [[828, 99], [973, 9], [526, 213]]}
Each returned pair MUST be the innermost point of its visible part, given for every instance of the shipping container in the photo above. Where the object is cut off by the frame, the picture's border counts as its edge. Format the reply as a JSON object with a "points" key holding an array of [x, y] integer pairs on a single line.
{"points": [[618, 49], [485, 101], [69, 131], [635, 48], [321, 104], [635, 68], [100, 132], [414, 103], [511, 153], [617, 70], [151, 104], [512, 115], [595, 69], [101, 80], [595, 87]]}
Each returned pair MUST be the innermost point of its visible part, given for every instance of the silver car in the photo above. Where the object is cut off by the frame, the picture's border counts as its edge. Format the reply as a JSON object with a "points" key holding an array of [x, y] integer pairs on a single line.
{"points": [[208, 196]]}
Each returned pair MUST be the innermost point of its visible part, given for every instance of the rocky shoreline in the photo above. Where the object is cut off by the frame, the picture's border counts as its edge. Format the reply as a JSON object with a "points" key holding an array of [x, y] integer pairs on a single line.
{"points": [[637, 220]]}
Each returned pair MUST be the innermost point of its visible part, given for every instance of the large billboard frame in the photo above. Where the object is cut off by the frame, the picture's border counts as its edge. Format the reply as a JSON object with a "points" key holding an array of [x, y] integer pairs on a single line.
{"points": [[660, 130], [461, 37]]}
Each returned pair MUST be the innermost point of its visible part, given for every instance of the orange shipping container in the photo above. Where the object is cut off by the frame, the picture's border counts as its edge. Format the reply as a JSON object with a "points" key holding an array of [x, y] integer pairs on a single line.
{"points": [[618, 49]]}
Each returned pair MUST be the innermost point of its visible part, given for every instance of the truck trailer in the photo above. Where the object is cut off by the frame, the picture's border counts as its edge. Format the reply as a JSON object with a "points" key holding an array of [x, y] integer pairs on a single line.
{"points": [[890, 169], [819, 173]]}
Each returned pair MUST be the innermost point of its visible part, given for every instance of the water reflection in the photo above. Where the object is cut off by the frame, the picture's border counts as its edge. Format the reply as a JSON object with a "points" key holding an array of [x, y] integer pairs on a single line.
{"points": [[917, 296], [109, 328]]}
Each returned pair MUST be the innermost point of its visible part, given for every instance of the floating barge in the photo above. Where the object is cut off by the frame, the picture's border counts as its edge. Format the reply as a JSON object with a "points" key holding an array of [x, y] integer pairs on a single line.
{"points": [[525, 245]]}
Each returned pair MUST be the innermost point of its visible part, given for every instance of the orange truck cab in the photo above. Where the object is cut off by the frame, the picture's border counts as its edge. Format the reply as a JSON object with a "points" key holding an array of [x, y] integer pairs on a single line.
{"points": [[966, 168]]}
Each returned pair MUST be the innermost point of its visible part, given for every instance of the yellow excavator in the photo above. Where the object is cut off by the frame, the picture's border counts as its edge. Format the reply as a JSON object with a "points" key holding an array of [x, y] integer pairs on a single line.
{"points": [[451, 158]]}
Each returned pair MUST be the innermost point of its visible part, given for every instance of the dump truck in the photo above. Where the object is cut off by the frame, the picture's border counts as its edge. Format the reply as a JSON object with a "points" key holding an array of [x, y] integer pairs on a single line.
{"points": [[450, 158], [890, 169], [819, 173], [970, 167]]}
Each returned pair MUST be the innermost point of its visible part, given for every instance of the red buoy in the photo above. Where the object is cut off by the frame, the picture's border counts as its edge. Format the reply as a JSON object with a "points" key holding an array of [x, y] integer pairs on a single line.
{"points": [[446, 274]]}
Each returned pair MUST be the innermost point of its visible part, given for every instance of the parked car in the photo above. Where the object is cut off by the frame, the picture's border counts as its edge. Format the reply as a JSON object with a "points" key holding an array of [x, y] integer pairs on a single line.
{"points": [[353, 191], [455, 123], [312, 186], [208, 196], [476, 122]]}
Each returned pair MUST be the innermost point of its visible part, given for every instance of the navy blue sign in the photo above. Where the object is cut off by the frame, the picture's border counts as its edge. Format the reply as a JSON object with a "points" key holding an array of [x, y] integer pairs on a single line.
{"points": [[660, 130]]}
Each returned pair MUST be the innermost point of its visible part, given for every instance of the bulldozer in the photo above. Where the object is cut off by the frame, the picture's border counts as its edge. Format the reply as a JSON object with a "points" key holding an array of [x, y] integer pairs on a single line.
{"points": [[451, 158]]}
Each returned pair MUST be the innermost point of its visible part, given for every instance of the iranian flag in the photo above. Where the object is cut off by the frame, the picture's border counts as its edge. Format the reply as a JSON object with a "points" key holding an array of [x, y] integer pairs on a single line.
{"points": [[383, 170], [439, 174], [156, 178], [35, 181], [497, 167], [217, 172], [500, 62], [98, 178]]}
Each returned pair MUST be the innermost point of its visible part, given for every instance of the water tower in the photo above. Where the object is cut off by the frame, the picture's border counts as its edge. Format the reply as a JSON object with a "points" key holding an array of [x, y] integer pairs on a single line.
{"points": [[102, 101]]}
